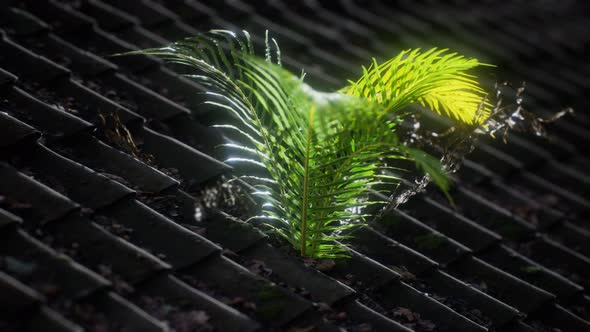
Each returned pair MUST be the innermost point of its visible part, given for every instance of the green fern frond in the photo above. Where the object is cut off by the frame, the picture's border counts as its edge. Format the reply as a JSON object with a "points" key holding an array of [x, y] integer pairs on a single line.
{"points": [[324, 165], [431, 166], [435, 78], [321, 154]]}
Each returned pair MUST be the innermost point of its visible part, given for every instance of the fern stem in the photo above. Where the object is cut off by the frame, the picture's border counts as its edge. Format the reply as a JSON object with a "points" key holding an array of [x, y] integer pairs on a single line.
{"points": [[306, 182]]}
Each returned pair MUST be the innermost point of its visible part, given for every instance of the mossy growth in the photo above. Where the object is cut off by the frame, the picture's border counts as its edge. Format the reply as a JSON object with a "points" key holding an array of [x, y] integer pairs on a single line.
{"points": [[430, 241], [270, 302]]}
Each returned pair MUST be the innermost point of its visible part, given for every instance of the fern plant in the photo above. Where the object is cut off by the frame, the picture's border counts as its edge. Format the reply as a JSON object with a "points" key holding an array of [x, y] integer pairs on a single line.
{"points": [[322, 154], [436, 78]]}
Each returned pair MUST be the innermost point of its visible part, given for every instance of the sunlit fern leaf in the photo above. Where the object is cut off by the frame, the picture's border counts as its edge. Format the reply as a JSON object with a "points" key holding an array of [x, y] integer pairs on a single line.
{"points": [[435, 78], [321, 152], [323, 179]]}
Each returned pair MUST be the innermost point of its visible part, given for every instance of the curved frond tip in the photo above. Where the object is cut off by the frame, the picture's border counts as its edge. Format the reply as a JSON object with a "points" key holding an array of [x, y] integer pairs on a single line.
{"points": [[437, 79]]}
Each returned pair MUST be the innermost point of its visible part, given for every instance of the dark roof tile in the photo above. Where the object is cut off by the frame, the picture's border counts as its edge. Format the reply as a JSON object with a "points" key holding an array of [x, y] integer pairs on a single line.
{"points": [[193, 166], [36, 203], [451, 223], [90, 105], [52, 274], [6, 78], [274, 306], [29, 66], [376, 320], [117, 165], [147, 14], [16, 297], [74, 180], [109, 17], [51, 120], [573, 237], [149, 103], [148, 228], [296, 274], [234, 234], [501, 285], [49, 320], [7, 218], [127, 315], [390, 252], [189, 300], [411, 232], [15, 131], [400, 295], [451, 289], [518, 265], [22, 22], [98, 248], [359, 269]]}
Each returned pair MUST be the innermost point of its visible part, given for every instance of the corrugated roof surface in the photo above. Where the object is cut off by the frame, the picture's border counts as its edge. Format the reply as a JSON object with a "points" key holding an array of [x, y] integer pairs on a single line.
{"points": [[100, 158]]}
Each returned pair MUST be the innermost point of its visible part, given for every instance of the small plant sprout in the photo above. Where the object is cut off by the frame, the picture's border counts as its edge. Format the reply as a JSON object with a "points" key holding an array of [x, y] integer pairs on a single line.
{"points": [[313, 158]]}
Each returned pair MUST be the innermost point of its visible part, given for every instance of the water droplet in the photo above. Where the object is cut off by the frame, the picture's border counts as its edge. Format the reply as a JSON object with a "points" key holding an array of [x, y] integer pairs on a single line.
{"points": [[199, 214]]}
